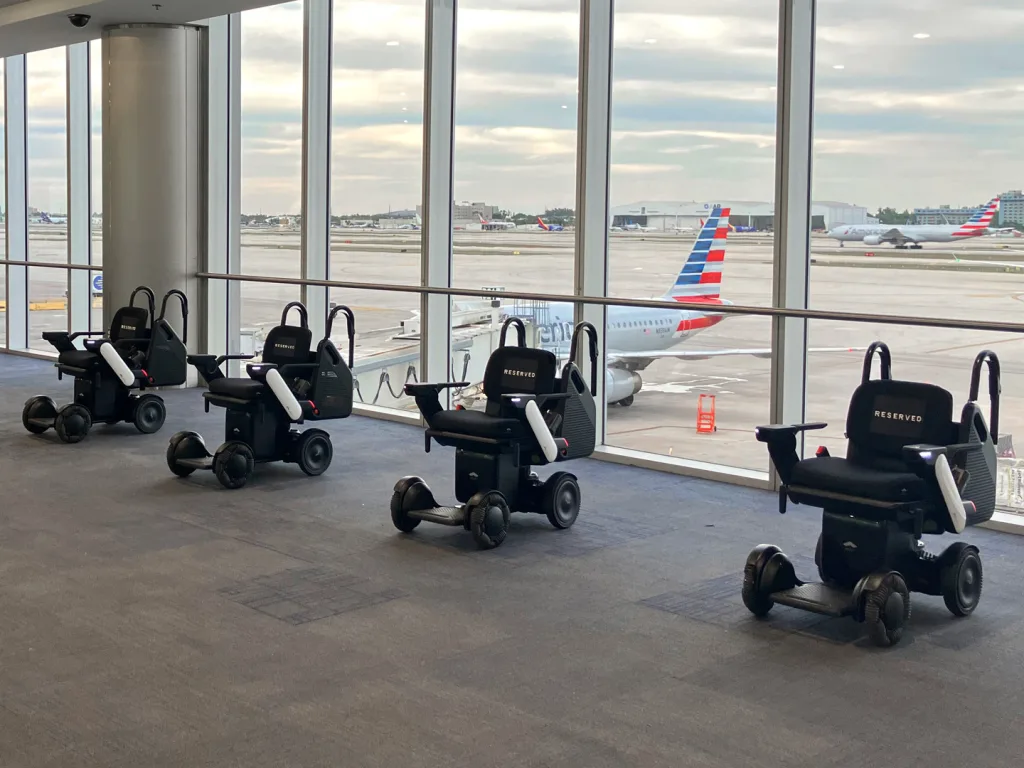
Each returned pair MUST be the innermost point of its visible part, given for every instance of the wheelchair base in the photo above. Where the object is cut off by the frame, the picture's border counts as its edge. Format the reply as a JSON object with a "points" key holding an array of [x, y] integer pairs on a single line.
{"points": [[487, 513], [235, 460], [880, 599], [109, 404]]}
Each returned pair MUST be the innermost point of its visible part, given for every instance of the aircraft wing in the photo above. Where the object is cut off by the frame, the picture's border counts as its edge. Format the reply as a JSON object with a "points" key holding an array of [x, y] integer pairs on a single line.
{"points": [[643, 359], [897, 236]]}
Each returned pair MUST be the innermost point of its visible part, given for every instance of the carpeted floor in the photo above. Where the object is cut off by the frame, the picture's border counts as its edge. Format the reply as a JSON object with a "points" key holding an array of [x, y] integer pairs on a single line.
{"points": [[150, 621]]}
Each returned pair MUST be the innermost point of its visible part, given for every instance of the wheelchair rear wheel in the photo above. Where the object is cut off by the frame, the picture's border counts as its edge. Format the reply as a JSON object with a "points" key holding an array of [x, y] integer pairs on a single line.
{"points": [[961, 577], [149, 414], [561, 500], [314, 452]]}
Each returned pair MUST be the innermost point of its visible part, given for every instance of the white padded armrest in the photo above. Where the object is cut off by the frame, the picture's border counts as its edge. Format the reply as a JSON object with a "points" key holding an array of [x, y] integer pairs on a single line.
{"points": [[284, 394], [117, 364], [954, 504], [541, 431]]}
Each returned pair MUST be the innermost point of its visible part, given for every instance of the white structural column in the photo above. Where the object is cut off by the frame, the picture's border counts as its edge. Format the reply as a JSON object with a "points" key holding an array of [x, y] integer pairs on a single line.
{"points": [[438, 151], [222, 305], [16, 135], [792, 207], [79, 149], [592, 170], [152, 198], [316, 159]]}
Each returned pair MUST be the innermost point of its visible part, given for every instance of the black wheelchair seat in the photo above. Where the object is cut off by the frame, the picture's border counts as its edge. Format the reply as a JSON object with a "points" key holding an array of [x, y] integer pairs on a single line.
{"points": [[241, 389], [78, 358], [479, 424], [837, 475]]}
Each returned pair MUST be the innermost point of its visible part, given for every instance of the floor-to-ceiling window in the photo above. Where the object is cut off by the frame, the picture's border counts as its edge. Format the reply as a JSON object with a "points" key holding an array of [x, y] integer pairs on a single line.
{"points": [[691, 218]]}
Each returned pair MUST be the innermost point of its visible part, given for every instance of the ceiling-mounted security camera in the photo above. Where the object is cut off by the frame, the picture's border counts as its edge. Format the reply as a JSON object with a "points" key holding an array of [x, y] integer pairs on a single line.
{"points": [[79, 19]]}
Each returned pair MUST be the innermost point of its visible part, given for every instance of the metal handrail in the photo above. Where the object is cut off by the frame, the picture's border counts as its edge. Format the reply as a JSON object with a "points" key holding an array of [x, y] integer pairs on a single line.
{"points": [[610, 301], [51, 265]]}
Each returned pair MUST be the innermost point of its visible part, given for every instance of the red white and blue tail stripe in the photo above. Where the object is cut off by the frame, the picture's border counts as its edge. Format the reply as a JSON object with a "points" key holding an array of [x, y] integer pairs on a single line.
{"points": [[980, 221], [700, 279]]}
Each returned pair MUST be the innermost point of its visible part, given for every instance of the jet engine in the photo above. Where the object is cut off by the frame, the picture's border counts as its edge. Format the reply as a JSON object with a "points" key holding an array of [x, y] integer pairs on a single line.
{"points": [[872, 240], [620, 385]]}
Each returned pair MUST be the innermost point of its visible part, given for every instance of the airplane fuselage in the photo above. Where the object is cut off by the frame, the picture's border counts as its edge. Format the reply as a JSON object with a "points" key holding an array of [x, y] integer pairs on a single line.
{"points": [[630, 330], [921, 233]]}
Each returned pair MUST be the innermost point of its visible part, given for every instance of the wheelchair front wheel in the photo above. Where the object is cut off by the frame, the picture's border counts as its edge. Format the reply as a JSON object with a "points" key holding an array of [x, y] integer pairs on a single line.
{"points": [[489, 520], [233, 464], [72, 423], [38, 407], [887, 610]]}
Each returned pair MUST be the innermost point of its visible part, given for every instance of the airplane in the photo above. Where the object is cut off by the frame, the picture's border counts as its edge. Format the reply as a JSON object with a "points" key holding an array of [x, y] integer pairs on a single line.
{"points": [[549, 227], [912, 235], [45, 218], [493, 225], [635, 227], [734, 228], [636, 336]]}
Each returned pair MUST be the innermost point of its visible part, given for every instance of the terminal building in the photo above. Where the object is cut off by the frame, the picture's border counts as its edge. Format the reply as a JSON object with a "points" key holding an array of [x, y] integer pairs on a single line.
{"points": [[669, 216]]}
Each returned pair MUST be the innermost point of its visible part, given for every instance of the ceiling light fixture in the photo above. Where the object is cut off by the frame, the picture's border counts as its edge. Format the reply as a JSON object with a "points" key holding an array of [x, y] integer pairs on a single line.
{"points": [[565, 106], [921, 36], [838, 66], [650, 41], [391, 42]]}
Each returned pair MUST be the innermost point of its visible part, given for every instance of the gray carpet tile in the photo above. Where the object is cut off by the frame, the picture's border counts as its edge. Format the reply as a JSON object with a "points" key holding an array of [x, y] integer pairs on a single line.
{"points": [[149, 620]]}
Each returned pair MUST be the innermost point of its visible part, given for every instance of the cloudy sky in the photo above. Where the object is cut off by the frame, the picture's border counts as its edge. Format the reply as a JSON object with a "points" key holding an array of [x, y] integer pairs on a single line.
{"points": [[916, 104]]}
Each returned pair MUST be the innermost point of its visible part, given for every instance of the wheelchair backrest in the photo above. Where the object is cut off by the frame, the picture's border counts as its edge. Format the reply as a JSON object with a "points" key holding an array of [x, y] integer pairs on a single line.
{"points": [[518, 370], [287, 344], [886, 415], [129, 323]]}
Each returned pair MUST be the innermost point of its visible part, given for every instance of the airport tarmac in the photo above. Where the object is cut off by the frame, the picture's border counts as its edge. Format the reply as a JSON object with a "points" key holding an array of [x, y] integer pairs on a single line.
{"points": [[985, 285]]}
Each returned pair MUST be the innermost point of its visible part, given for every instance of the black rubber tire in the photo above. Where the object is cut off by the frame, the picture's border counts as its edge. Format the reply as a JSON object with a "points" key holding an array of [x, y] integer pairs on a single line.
{"points": [[314, 451], [561, 500], [962, 578], [626, 401], [233, 464], [72, 423], [148, 414], [887, 610], [401, 519], [489, 520], [38, 407], [758, 602], [184, 445]]}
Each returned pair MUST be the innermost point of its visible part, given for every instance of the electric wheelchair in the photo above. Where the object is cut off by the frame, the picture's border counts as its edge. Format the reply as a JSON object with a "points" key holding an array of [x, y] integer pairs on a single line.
{"points": [[910, 470], [140, 350], [532, 417], [291, 385]]}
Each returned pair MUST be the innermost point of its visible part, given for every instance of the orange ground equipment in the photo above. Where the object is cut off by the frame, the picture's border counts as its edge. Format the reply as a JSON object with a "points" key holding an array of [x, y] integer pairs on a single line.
{"points": [[706, 415]]}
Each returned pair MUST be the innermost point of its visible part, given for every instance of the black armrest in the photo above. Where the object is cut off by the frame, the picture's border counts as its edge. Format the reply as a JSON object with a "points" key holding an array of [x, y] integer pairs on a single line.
{"points": [[209, 365], [418, 390], [773, 432], [259, 371], [94, 344], [75, 335]]}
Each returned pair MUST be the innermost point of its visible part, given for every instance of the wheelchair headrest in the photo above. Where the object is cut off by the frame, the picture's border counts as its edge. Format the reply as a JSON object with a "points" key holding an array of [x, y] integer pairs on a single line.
{"points": [[520, 369], [129, 323], [287, 344], [886, 415]]}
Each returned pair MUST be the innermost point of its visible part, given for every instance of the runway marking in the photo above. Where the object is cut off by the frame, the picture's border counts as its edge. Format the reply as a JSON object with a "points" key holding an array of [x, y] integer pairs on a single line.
{"points": [[697, 384]]}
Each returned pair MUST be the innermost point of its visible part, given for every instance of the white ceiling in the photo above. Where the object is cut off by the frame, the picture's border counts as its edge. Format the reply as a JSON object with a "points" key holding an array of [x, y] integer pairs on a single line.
{"points": [[35, 25]]}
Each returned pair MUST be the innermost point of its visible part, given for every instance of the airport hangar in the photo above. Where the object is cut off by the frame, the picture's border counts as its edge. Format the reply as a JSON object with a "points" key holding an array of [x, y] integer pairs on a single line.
{"points": [[667, 216]]}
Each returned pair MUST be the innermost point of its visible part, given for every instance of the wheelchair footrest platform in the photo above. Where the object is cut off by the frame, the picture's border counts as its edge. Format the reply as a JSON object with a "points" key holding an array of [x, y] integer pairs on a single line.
{"points": [[442, 515], [817, 598], [204, 463]]}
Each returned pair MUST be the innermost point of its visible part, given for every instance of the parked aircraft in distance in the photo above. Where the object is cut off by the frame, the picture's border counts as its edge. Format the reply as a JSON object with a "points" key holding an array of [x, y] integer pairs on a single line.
{"points": [[549, 227], [489, 226], [912, 235]]}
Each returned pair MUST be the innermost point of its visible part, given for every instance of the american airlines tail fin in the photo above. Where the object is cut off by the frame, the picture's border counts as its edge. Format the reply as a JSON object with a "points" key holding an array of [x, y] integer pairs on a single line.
{"points": [[980, 221], [700, 279]]}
